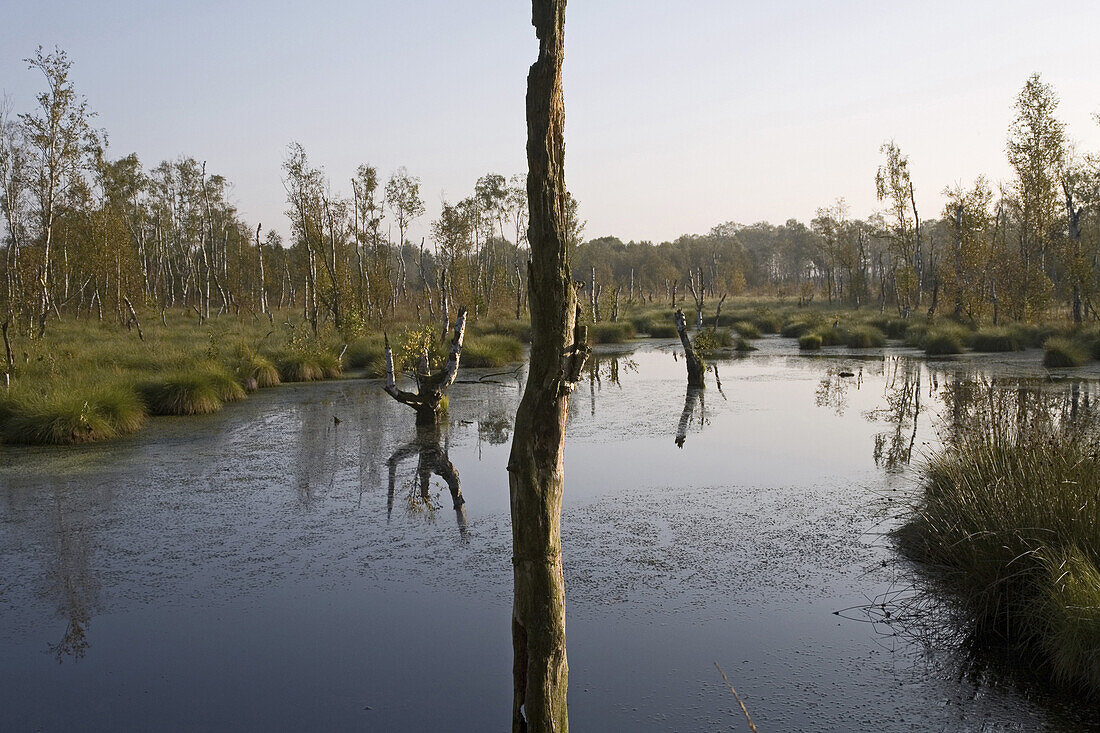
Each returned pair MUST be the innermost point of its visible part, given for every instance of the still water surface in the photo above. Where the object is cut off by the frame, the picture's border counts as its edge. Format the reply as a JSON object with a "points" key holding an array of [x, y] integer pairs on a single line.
{"points": [[301, 561]]}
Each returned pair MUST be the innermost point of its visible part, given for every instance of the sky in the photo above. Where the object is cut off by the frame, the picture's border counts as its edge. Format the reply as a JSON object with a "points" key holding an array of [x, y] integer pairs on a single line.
{"points": [[679, 116]]}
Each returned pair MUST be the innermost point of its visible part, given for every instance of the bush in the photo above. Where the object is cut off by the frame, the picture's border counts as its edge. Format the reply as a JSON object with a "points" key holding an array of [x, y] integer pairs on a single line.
{"points": [[1009, 520], [864, 337], [809, 341], [995, 340], [746, 329], [610, 333], [1064, 352], [710, 340], [490, 351]]}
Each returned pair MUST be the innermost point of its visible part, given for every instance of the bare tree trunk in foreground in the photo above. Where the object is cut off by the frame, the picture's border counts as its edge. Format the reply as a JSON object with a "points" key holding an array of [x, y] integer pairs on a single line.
{"points": [[536, 465]]}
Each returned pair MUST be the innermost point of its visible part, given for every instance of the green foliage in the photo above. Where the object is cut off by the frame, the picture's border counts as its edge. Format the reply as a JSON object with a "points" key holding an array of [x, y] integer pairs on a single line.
{"points": [[894, 328], [1064, 352], [711, 340], [1008, 519], [767, 322], [663, 330], [251, 365], [794, 329], [995, 340]]}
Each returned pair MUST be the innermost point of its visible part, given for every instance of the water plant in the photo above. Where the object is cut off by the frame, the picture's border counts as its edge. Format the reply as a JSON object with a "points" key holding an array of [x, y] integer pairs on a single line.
{"points": [[1064, 352]]}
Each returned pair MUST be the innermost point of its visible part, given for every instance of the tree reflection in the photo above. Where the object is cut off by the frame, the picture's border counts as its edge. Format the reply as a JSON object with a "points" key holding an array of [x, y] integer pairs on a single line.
{"points": [[432, 459], [894, 448], [71, 582], [694, 396], [609, 368]]}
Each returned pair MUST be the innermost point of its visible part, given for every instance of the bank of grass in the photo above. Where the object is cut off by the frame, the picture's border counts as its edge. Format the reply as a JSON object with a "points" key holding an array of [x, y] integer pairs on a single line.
{"points": [[1008, 519], [492, 350], [610, 333], [996, 339], [87, 381], [1062, 351]]}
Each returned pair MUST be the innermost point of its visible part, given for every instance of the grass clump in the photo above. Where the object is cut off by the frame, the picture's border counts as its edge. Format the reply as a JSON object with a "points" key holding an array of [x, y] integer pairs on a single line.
{"points": [[1064, 352], [516, 329], [183, 393], [794, 329], [67, 415], [1009, 520], [809, 341], [611, 333], [746, 329], [995, 339], [742, 346], [864, 337], [943, 340], [894, 328], [766, 322], [663, 330], [493, 350]]}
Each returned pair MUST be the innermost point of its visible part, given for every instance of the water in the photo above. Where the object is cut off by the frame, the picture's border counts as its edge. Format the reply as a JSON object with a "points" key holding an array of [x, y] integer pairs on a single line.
{"points": [[255, 570]]}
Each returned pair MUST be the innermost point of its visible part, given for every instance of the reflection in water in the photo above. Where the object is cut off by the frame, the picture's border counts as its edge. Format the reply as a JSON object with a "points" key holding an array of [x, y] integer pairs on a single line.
{"points": [[431, 459], [832, 391], [894, 448], [72, 584], [609, 367], [694, 395], [315, 462]]}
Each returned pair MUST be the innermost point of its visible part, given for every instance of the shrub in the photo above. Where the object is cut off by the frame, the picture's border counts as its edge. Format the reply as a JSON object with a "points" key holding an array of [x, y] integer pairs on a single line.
{"points": [[809, 341], [1064, 352], [746, 329], [710, 340], [490, 351], [995, 340]]}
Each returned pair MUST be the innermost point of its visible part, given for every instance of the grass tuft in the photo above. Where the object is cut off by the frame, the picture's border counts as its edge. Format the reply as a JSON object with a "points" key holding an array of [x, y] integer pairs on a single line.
{"points": [[810, 341], [989, 340], [611, 333], [493, 350], [1064, 352]]}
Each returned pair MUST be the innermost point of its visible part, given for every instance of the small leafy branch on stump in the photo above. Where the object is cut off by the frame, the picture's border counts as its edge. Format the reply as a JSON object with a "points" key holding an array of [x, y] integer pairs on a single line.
{"points": [[431, 387]]}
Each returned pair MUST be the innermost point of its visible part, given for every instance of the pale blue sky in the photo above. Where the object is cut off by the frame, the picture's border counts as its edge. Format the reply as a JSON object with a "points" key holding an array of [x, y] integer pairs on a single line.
{"points": [[678, 115]]}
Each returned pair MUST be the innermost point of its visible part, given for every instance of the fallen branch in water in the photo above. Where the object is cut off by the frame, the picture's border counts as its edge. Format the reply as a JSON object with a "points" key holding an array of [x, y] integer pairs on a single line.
{"points": [[752, 726]]}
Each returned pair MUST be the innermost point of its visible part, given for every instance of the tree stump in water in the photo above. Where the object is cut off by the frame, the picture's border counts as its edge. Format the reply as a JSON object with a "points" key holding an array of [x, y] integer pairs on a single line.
{"points": [[695, 367], [432, 387]]}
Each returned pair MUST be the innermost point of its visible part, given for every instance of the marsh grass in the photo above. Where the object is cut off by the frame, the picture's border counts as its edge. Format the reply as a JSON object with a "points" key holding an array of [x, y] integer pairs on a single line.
{"points": [[1008, 519], [493, 350], [88, 381], [810, 341], [944, 339], [1060, 351], [610, 333], [662, 330], [746, 329], [864, 336], [996, 339]]}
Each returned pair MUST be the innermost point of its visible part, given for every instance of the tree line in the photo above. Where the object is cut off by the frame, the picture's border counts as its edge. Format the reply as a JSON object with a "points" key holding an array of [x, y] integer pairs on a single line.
{"points": [[95, 236]]}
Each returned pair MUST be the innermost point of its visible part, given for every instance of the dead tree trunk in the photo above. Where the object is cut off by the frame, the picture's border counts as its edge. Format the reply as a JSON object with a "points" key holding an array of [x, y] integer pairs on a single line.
{"points": [[536, 473], [426, 401], [695, 366]]}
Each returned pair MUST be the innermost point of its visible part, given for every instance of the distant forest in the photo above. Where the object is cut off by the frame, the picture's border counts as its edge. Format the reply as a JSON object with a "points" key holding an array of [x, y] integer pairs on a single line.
{"points": [[92, 235]]}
